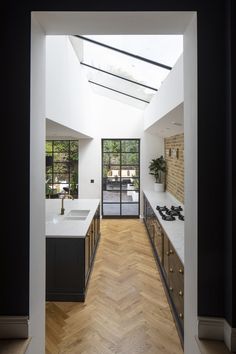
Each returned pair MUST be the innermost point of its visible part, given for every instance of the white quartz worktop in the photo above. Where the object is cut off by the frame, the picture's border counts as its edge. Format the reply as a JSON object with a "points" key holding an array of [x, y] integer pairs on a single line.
{"points": [[59, 226], [173, 229]]}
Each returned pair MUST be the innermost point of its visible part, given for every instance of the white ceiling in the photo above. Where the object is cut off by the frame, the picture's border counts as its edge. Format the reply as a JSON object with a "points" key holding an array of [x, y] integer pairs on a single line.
{"points": [[170, 124], [59, 131], [89, 23], [85, 23]]}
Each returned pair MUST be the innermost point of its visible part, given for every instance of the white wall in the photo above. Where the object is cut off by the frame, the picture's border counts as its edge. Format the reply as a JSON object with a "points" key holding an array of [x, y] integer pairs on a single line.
{"points": [[90, 22], [169, 96], [37, 191], [68, 95], [113, 119], [71, 102], [190, 187]]}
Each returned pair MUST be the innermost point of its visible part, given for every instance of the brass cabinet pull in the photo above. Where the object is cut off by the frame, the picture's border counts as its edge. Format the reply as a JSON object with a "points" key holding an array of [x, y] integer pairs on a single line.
{"points": [[181, 315], [171, 251], [181, 293], [171, 270], [181, 271], [170, 288]]}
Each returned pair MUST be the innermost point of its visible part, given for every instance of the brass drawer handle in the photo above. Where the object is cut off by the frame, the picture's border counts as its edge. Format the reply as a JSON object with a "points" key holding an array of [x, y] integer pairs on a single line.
{"points": [[171, 270], [181, 315], [171, 251], [167, 253], [181, 270], [181, 293], [170, 288]]}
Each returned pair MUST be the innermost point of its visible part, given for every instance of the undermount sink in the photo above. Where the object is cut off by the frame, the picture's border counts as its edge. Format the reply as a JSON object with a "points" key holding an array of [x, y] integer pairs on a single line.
{"points": [[77, 214]]}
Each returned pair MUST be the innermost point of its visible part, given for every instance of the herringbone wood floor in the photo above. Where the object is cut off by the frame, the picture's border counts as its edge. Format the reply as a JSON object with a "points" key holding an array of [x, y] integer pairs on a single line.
{"points": [[126, 311]]}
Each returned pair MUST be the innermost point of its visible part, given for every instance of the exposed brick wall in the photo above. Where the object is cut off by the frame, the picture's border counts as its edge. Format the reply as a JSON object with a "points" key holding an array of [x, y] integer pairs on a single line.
{"points": [[175, 166]]}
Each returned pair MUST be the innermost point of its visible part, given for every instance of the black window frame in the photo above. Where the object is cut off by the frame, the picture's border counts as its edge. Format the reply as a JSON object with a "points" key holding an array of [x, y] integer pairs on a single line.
{"points": [[67, 162], [120, 178]]}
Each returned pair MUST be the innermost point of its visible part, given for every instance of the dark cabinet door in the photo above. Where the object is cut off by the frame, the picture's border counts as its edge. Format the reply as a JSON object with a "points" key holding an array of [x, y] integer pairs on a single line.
{"points": [[87, 254], [91, 231], [64, 265], [166, 253], [176, 283], [158, 239]]}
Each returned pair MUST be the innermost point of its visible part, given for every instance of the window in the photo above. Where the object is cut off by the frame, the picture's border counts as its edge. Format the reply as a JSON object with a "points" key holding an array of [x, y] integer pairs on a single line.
{"points": [[61, 168]]}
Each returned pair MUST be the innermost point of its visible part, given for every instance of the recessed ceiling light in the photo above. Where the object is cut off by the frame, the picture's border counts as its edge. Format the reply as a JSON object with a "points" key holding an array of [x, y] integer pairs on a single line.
{"points": [[176, 123]]}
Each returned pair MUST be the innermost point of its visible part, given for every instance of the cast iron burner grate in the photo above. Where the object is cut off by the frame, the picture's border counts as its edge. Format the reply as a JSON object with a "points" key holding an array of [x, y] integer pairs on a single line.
{"points": [[170, 214]]}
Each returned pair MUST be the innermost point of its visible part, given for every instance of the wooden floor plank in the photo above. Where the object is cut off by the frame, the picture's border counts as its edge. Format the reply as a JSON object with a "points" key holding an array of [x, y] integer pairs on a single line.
{"points": [[126, 310]]}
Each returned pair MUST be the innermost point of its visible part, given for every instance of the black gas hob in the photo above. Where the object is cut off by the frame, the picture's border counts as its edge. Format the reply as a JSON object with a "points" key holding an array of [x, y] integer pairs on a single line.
{"points": [[170, 214]]}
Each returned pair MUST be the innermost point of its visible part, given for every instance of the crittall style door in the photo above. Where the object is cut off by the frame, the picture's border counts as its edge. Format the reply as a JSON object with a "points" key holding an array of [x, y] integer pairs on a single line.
{"points": [[120, 177]]}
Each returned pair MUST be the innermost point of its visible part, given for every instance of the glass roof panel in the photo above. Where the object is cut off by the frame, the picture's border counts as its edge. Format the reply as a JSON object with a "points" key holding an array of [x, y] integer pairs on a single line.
{"points": [[123, 65], [118, 84], [164, 49]]}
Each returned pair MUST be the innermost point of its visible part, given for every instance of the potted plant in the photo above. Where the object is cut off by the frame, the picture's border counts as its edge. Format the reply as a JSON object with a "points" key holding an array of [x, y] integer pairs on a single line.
{"points": [[157, 168]]}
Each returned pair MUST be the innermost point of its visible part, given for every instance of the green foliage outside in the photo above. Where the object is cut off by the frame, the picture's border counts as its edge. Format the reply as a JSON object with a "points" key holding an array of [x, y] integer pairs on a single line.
{"points": [[64, 168]]}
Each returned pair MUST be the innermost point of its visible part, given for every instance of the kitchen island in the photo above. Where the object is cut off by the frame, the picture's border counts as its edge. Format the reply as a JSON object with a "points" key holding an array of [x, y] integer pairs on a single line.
{"points": [[71, 244]]}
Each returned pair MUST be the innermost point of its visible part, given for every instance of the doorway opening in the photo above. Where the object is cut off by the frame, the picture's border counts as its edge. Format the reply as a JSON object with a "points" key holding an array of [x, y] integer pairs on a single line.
{"points": [[88, 22], [120, 177]]}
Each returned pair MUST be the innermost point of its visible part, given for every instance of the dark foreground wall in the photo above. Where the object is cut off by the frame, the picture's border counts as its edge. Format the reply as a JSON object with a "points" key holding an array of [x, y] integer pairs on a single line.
{"points": [[216, 271]]}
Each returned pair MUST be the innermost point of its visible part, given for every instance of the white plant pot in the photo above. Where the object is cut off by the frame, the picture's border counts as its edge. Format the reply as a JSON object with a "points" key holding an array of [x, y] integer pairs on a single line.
{"points": [[159, 187]]}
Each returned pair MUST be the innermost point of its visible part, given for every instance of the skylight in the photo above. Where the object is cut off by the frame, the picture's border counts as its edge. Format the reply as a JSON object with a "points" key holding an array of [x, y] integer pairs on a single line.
{"points": [[124, 77]]}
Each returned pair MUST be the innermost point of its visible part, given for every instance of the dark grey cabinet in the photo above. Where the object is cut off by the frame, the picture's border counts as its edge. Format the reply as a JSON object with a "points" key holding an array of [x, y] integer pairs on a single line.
{"points": [[69, 263], [170, 266]]}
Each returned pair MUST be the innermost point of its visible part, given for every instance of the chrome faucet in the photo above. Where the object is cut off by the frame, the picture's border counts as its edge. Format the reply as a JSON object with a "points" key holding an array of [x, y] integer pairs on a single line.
{"points": [[62, 202]]}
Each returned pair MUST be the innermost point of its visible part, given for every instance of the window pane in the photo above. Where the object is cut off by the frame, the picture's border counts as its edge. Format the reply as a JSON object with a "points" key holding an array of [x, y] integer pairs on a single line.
{"points": [[126, 197], [111, 196], [61, 146], [48, 179], [129, 145], [61, 156], [60, 168], [129, 158], [73, 167], [124, 66], [49, 169], [130, 171], [48, 146], [135, 183], [112, 183], [111, 158], [74, 146], [130, 209], [111, 209], [61, 178], [60, 187], [111, 146], [113, 171]]}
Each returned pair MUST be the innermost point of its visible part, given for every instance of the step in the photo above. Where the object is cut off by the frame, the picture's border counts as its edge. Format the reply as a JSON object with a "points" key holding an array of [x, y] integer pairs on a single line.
{"points": [[208, 346], [14, 346]]}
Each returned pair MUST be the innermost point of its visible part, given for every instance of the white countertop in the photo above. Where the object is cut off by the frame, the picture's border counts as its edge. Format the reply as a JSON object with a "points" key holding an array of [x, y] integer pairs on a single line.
{"points": [[58, 226], [173, 229]]}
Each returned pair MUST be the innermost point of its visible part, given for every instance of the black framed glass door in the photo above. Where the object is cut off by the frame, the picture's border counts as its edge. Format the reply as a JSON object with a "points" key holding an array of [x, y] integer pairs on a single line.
{"points": [[120, 177]]}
